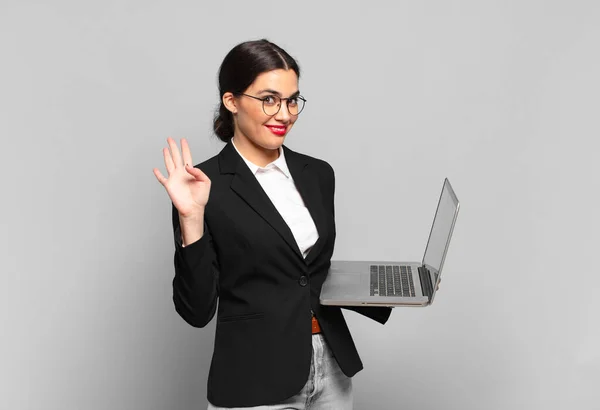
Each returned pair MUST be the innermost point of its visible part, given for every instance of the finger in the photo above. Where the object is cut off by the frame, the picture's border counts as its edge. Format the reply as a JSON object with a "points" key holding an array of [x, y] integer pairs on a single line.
{"points": [[187, 154], [196, 173], [175, 152], [168, 160], [159, 176]]}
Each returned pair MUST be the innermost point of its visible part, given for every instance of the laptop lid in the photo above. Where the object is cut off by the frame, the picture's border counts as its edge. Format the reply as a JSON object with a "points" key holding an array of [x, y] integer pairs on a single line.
{"points": [[440, 234]]}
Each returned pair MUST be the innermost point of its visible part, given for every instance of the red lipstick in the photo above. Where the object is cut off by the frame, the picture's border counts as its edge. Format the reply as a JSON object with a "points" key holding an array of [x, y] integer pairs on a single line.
{"points": [[277, 130]]}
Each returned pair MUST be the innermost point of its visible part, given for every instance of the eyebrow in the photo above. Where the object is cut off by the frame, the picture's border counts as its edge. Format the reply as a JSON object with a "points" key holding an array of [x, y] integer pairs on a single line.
{"points": [[268, 90]]}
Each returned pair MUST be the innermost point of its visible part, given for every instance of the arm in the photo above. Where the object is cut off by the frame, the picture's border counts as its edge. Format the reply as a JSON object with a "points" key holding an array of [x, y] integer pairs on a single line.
{"points": [[195, 285], [379, 314]]}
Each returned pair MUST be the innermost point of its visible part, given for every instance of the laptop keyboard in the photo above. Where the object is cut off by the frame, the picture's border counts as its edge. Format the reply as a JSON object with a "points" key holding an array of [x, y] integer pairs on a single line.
{"points": [[392, 280]]}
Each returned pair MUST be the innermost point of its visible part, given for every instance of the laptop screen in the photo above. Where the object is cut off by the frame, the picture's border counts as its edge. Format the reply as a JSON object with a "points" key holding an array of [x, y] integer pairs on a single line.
{"points": [[441, 231]]}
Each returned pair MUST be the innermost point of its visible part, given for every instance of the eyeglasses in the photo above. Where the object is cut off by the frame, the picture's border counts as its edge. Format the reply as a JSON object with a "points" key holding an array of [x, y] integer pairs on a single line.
{"points": [[272, 104]]}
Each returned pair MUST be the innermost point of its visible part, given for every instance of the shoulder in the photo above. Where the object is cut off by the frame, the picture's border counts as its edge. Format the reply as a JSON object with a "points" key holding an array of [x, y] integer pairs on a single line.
{"points": [[321, 165], [211, 165], [326, 167]]}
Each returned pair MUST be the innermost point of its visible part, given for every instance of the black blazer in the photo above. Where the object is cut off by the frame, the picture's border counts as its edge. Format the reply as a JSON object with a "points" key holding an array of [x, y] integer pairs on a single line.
{"points": [[249, 260]]}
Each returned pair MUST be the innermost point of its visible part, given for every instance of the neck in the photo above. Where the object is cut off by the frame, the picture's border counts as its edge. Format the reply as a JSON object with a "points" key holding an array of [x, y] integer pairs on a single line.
{"points": [[254, 153]]}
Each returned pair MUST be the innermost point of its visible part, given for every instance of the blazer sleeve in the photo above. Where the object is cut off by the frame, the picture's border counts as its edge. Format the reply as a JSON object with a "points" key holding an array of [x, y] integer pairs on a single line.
{"points": [[378, 314], [196, 281]]}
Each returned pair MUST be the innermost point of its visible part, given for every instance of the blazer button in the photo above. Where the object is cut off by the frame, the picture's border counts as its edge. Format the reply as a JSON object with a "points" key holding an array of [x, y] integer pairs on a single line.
{"points": [[303, 280]]}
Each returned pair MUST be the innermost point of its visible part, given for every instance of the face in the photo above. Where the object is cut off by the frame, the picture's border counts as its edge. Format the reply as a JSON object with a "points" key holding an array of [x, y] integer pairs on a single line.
{"points": [[251, 122]]}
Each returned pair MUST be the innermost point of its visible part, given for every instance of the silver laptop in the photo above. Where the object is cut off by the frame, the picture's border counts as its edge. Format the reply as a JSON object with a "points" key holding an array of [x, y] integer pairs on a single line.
{"points": [[383, 283]]}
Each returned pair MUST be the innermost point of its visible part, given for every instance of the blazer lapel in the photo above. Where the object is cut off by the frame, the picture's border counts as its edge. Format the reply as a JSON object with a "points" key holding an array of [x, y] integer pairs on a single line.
{"points": [[306, 179], [249, 189]]}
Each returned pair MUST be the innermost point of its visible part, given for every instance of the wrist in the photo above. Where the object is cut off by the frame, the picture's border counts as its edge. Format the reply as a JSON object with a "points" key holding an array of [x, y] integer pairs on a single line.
{"points": [[192, 216]]}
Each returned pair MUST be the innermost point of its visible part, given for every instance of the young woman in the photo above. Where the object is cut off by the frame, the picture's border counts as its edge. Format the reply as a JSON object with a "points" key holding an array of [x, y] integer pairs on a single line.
{"points": [[254, 229]]}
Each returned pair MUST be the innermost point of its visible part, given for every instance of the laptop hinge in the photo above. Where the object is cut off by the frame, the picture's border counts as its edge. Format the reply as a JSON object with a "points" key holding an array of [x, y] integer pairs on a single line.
{"points": [[426, 285]]}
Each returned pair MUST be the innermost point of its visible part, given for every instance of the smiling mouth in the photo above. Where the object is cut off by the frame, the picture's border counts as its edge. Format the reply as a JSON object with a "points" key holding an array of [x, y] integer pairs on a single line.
{"points": [[277, 129]]}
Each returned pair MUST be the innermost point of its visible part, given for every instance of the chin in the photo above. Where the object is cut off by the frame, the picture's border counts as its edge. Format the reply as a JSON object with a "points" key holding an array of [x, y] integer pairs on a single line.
{"points": [[277, 144]]}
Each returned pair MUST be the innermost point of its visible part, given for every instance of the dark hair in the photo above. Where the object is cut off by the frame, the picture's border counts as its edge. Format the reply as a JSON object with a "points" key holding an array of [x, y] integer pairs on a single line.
{"points": [[239, 69]]}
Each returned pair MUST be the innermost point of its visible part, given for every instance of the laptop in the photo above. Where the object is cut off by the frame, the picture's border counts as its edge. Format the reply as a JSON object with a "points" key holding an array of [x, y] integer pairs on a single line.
{"points": [[384, 283]]}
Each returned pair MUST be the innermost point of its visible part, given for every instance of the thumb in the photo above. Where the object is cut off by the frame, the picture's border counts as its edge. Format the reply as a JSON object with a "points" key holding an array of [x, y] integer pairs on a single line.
{"points": [[196, 173]]}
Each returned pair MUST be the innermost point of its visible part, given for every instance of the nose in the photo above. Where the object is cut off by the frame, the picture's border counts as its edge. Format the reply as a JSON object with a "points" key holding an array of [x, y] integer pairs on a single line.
{"points": [[283, 115]]}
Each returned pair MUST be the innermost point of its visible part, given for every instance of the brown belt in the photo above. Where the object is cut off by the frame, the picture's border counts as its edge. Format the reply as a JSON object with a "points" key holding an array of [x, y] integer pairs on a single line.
{"points": [[315, 326]]}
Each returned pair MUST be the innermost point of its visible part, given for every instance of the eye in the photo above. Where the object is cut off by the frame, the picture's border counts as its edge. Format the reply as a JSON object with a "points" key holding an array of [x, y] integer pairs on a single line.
{"points": [[293, 101], [270, 100]]}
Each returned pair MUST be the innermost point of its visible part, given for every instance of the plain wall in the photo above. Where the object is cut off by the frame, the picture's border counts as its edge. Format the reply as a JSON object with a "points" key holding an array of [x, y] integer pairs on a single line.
{"points": [[502, 97]]}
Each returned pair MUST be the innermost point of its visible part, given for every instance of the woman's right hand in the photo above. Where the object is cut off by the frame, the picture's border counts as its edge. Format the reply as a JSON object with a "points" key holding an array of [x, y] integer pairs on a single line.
{"points": [[188, 187]]}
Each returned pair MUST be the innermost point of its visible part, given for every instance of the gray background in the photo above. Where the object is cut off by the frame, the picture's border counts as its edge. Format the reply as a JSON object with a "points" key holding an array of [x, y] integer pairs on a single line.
{"points": [[502, 97]]}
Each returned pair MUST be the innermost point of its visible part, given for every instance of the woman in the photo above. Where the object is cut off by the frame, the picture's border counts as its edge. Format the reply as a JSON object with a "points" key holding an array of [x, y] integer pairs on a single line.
{"points": [[261, 246]]}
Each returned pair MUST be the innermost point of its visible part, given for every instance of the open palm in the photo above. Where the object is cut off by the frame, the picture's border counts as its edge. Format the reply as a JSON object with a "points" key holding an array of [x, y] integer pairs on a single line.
{"points": [[188, 187]]}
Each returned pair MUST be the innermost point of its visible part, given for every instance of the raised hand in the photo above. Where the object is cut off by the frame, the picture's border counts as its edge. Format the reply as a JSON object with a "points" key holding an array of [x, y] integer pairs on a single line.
{"points": [[188, 187]]}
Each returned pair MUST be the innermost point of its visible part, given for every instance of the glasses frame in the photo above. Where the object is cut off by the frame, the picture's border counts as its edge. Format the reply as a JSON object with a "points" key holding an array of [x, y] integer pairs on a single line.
{"points": [[287, 104]]}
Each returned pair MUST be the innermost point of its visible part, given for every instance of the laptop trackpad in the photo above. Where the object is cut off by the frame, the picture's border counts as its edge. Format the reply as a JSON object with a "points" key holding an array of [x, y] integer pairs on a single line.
{"points": [[346, 279]]}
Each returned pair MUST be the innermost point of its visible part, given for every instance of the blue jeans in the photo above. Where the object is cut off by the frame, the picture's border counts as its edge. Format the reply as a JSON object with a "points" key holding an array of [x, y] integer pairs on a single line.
{"points": [[327, 388]]}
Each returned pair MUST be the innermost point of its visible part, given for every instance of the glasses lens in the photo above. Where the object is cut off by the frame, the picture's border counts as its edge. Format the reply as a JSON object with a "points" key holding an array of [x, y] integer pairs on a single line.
{"points": [[295, 105], [271, 104]]}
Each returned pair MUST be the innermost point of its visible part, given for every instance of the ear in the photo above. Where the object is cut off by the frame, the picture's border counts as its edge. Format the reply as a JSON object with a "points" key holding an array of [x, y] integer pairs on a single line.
{"points": [[229, 102]]}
